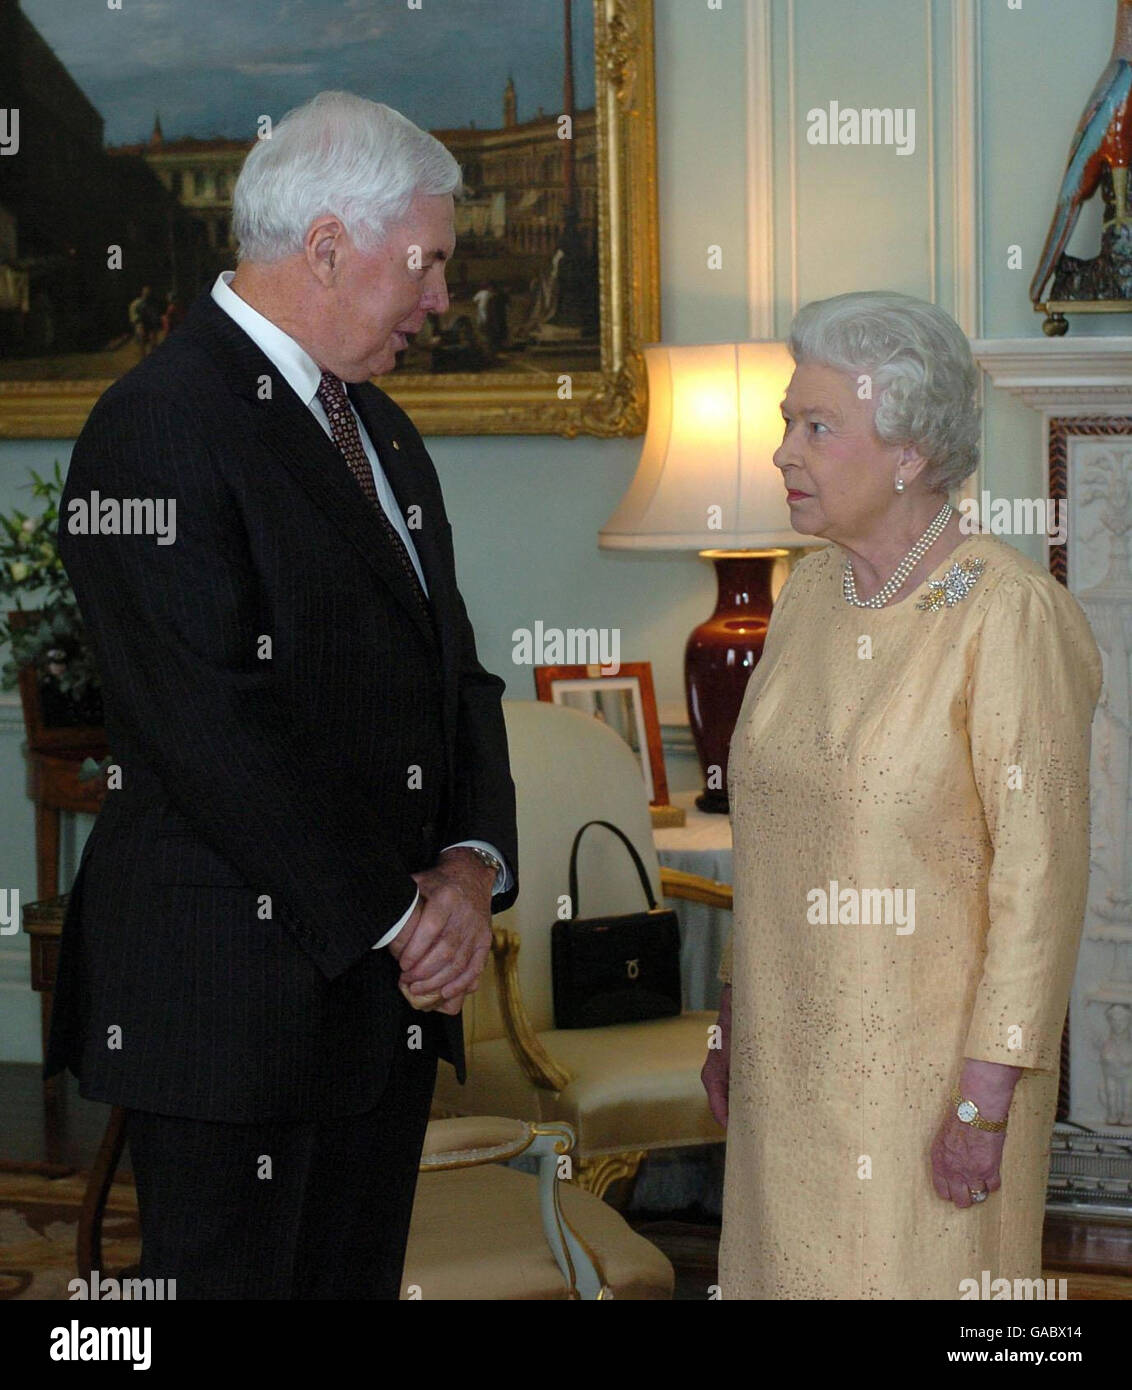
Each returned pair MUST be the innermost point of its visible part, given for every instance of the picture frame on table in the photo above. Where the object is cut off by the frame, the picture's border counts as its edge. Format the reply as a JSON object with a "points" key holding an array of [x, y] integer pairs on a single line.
{"points": [[627, 703], [116, 207]]}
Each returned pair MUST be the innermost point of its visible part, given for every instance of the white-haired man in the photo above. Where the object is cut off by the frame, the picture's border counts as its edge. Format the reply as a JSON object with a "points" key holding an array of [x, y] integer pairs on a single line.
{"points": [[316, 805]]}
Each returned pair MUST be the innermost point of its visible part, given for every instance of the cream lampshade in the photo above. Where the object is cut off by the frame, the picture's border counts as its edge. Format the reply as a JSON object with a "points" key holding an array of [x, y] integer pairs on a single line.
{"points": [[706, 481], [714, 424]]}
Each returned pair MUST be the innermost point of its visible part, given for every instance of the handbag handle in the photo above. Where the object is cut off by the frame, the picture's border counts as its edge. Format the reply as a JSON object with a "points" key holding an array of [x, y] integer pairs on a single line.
{"points": [[642, 873]]}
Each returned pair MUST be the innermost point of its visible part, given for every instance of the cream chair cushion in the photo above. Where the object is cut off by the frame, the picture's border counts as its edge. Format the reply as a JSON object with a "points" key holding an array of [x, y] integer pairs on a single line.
{"points": [[637, 1085], [476, 1233]]}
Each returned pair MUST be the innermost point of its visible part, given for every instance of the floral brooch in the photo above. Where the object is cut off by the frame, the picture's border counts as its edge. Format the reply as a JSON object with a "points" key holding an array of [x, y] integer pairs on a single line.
{"points": [[955, 585]]}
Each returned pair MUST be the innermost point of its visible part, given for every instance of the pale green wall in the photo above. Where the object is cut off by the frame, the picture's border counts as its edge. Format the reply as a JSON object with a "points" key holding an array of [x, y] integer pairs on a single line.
{"points": [[857, 220], [526, 511]]}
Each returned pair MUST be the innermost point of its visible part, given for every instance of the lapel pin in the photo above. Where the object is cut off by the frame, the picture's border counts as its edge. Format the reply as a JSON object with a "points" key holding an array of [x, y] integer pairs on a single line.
{"points": [[396, 445]]}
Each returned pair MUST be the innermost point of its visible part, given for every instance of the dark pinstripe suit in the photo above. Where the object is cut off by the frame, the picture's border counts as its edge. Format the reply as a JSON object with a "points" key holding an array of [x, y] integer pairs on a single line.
{"points": [[256, 784]]}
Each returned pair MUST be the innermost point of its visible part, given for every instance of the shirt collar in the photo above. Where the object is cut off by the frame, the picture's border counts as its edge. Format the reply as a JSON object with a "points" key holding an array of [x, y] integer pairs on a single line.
{"points": [[297, 367]]}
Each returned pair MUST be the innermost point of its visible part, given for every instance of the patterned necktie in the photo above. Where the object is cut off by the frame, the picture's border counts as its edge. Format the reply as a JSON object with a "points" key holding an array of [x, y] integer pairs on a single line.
{"points": [[344, 430]]}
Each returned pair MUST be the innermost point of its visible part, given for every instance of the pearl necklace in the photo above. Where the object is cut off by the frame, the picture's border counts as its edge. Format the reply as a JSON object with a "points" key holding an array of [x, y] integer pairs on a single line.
{"points": [[903, 569]]}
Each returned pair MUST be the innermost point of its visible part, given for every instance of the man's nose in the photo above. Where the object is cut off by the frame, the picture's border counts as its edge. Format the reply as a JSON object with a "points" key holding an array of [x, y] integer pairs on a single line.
{"points": [[436, 300]]}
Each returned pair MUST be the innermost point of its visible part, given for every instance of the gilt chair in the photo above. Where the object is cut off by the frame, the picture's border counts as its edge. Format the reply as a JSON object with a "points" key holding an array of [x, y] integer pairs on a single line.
{"points": [[626, 1089], [482, 1230]]}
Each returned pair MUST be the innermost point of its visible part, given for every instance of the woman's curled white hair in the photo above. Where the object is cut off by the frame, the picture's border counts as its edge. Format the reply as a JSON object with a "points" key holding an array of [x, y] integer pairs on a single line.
{"points": [[342, 154], [923, 375]]}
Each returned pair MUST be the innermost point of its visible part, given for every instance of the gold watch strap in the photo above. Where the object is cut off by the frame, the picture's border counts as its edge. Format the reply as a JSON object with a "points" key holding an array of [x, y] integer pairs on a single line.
{"points": [[495, 865], [990, 1126]]}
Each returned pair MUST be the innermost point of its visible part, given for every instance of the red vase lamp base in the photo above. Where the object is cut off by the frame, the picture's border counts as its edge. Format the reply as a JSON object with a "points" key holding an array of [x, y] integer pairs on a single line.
{"points": [[719, 658]]}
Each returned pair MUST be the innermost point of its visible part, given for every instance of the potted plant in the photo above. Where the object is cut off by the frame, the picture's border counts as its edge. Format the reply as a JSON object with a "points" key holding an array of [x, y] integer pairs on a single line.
{"points": [[51, 660]]}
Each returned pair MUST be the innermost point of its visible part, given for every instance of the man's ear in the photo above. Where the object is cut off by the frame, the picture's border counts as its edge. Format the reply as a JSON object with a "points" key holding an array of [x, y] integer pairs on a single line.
{"points": [[323, 248]]}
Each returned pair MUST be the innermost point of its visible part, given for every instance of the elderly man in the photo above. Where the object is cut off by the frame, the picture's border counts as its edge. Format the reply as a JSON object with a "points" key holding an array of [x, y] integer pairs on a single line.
{"points": [[284, 903]]}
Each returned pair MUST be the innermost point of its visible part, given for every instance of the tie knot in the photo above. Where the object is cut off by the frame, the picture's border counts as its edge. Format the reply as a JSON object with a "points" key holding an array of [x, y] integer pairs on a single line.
{"points": [[330, 389]]}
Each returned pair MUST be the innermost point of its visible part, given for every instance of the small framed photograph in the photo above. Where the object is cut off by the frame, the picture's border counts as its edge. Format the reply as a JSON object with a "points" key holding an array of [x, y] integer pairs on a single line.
{"points": [[626, 702]]}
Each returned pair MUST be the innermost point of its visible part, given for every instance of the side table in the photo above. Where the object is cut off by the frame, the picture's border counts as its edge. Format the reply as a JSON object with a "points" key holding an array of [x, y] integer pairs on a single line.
{"points": [[53, 785], [43, 922], [701, 846]]}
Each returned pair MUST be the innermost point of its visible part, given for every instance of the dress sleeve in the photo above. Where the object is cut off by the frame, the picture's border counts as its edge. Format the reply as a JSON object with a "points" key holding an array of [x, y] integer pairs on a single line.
{"points": [[798, 576], [1032, 689]]}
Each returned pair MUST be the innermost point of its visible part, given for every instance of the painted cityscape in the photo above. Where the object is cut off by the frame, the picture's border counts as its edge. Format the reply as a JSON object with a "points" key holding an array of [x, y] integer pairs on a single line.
{"points": [[133, 125]]}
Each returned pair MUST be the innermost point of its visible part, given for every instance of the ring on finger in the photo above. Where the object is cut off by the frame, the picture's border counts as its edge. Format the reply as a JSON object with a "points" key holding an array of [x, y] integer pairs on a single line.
{"points": [[978, 1194]]}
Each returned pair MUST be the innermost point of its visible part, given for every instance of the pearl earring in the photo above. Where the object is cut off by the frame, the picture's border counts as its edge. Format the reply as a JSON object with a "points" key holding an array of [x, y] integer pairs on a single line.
{"points": [[900, 485]]}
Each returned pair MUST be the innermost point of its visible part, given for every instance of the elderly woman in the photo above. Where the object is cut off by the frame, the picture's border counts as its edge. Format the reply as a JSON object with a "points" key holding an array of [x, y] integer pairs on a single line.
{"points": [[909, 795]]}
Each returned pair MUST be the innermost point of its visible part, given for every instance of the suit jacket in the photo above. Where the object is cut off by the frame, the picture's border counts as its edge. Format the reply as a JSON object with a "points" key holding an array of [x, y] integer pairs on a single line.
{"points": [[295, 738]]}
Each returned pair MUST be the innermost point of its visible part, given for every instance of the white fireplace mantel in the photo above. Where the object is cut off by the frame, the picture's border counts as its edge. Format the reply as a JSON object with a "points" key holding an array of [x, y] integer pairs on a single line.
{"points": [[1061, 374], [1089, 380]]}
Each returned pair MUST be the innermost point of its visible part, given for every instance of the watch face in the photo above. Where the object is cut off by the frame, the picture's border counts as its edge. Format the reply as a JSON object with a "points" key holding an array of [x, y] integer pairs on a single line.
{"points": [[967, 1111]]}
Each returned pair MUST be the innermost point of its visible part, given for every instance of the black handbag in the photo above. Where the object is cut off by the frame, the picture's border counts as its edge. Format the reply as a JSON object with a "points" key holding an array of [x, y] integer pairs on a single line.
{"points": [[615, 969]]}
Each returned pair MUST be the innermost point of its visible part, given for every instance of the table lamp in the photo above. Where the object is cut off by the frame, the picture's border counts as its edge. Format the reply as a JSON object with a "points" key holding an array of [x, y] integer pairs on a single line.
{"points": [[706, 481]]}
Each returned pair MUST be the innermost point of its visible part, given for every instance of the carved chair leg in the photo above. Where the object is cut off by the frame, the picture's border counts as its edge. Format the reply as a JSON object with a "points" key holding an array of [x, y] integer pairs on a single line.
{"points": [[597, 1175], [89, 1243]]}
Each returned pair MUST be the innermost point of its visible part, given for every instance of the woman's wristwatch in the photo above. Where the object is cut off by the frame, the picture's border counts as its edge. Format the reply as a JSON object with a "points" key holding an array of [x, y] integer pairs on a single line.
{"points": [[967, 1113]]}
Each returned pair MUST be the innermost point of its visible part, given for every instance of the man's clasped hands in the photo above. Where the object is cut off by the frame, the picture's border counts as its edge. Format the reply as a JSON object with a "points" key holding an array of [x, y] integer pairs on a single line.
{"points": [[442, 948]]}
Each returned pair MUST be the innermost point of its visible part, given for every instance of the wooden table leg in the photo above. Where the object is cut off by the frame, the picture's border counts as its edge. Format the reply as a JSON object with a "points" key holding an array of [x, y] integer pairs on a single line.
{"points": [[46, 851], [89, 1243]]}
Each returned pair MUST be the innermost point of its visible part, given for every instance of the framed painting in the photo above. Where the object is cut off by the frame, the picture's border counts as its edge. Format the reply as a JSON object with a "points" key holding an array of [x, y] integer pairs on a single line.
{"points": [[128, 127]]}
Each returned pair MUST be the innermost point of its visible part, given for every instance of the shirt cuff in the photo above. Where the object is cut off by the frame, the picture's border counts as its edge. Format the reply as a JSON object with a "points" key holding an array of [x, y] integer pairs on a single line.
{"points": [[393, 930], [504, 878]]}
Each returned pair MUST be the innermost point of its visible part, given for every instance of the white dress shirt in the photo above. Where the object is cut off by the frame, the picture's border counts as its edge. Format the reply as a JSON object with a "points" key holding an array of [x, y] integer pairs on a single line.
{"points": [[303, 374]]}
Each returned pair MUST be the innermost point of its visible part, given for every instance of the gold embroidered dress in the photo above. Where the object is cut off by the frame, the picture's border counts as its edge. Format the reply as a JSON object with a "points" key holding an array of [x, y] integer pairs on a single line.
{"points": [[944, 752]]}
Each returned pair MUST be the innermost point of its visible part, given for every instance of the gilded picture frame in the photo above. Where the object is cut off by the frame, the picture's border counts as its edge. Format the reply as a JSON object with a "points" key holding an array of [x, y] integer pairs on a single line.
{"points": [[608, 400]]}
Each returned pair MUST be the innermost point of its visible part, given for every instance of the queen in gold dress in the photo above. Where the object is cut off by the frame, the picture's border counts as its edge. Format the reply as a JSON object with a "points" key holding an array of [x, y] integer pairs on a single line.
{"points": [[909, 796]]}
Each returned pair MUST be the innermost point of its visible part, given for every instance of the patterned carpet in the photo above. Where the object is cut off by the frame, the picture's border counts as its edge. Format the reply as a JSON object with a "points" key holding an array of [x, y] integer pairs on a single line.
{"points": [[39, 1217]]}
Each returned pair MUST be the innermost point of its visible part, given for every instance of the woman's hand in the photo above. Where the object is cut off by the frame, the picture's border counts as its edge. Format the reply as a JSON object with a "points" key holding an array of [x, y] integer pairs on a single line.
{"points": [[964, 1159], [716, 1073]]}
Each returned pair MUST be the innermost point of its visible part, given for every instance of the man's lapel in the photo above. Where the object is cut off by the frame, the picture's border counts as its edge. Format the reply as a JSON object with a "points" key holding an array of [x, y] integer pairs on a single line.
{"points": [[287, 427]]}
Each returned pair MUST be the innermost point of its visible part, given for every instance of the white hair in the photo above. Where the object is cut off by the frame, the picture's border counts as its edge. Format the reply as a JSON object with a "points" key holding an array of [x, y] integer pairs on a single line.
{"points": [[924, 377], [341, 154]]}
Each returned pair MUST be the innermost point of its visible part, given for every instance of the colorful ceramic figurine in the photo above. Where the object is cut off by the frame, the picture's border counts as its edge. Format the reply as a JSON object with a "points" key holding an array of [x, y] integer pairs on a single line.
{"points": [[1099, 158]]}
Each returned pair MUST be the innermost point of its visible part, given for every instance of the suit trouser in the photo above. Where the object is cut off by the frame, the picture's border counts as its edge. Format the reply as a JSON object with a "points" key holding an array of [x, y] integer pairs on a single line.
{"points": [[312, 1209]]}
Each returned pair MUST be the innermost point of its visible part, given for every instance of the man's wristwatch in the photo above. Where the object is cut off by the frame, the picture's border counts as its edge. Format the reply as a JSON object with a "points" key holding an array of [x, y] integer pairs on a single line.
{"points": [[484, 857], [967, 1113]]}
